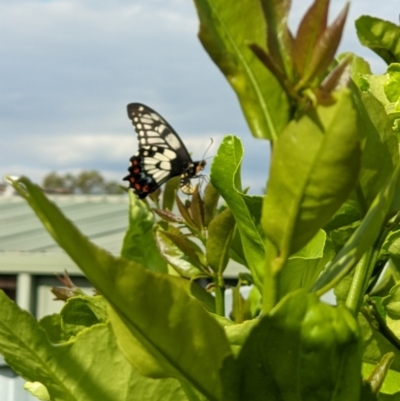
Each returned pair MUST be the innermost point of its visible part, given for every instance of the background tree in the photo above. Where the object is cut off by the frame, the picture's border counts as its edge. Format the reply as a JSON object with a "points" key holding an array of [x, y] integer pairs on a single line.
{"points": [[86, 182]]}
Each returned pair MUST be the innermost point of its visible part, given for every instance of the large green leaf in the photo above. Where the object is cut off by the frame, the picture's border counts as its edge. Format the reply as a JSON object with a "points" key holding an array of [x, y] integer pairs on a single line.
{"points": [[362, 239], [225, 176], [160, 328], [76, 370], [302, 268], [382, 37], [220, 233], [376, 345], [380, 149], [139, 244], [225, 32], [304, 350], [314, 168]]}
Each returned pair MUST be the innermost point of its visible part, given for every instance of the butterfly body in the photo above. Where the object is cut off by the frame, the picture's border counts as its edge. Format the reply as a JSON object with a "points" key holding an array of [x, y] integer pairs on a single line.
{"points": [[161, 155]]}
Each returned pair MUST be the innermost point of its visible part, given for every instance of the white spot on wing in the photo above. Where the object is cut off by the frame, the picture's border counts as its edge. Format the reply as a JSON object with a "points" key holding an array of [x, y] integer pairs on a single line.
{"points": [[146, 120], [159, 175], [139, 126], [141, 108], [161, 128], [173, 141], [143, 141], [154, 140], [150, 160], [161, 157], [170, 154], [155, 116], [165, 166]]}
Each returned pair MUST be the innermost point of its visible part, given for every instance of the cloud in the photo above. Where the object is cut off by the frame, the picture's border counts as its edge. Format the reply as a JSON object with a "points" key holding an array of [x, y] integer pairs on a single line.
{"points": [[68, 69]]}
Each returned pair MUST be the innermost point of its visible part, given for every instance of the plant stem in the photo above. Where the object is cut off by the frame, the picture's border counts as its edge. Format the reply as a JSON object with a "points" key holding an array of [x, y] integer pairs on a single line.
{"points": [[220, 296], [269, 291], [361, 277], [363, 273]]}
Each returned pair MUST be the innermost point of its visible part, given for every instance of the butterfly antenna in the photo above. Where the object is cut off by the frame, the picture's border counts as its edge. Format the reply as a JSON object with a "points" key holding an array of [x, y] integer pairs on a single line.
{"points": [[208, 148]]}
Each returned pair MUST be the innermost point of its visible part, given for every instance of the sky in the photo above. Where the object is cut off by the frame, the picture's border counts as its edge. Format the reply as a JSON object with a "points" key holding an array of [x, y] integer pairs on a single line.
{"points": [[68, 68]]}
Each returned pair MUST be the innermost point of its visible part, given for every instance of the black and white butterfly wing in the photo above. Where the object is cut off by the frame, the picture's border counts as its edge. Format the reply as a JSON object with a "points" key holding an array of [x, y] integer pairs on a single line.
{"points": [[161, 155]]}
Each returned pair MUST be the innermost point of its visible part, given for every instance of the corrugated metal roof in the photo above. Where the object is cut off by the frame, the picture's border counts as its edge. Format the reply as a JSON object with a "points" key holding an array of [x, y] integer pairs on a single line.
{"points": [[26, 246]]}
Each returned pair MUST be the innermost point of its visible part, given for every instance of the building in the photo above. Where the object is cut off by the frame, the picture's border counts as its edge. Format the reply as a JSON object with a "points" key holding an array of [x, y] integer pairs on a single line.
{"points": [[30, 258]]}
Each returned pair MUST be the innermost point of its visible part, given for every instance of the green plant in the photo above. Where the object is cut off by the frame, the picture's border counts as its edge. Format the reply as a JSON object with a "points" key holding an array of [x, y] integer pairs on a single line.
{"points": [[329, 220]]}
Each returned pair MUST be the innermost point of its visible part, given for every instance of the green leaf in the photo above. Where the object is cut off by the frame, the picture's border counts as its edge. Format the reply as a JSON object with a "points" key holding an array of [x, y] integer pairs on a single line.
{"points": [[392, 244], [375, 85], [380, 149], [139, 244], [304, 350], [348, 213], [170, 190], [382, 37], [236, 252], [60, 369], [197, 209], [225, 176], [225, 33], [168, 216], [252, 306], [211, 198], [161, 329], [341, 235], [314, 167], [376, 345], [361, 240], [81, 312], [37, 390], [185, 213], [238, 333], [220, 232], [52, 325], [392, 85], [303, 267], [184, 259], [359, 67], [392, 305]]}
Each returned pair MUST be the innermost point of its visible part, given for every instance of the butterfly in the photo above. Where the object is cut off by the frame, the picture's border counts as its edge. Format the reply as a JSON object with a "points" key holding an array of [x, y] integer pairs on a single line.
{"points": [[161, 155]]}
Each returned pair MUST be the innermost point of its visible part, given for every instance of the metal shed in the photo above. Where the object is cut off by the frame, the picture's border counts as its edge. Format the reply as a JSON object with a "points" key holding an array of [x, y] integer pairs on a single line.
{"points": [[29, 258]]}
